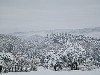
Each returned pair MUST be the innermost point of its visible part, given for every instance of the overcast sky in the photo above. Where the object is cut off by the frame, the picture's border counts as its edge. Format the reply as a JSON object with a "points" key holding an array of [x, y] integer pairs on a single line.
{"points": [[34, 15]]}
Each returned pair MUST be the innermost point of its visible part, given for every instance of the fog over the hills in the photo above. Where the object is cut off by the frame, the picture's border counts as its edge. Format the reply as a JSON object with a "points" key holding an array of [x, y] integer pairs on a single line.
{"points": [[34, 15]]}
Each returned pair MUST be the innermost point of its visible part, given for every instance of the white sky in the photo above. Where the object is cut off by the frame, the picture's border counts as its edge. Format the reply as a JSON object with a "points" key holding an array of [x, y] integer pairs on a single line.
{"points": [[34, 15]]}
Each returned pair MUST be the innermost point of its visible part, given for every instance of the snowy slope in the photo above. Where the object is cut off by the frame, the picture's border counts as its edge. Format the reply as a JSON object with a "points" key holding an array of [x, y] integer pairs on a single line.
{"points": [[49, 72]]}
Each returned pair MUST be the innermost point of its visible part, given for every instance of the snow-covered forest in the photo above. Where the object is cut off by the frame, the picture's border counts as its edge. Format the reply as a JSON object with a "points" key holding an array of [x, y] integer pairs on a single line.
{"points": [[56, 52]]}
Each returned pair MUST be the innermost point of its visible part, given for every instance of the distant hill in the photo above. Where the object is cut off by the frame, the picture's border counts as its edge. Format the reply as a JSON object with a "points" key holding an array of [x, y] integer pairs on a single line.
{"points": [[91, 32]]}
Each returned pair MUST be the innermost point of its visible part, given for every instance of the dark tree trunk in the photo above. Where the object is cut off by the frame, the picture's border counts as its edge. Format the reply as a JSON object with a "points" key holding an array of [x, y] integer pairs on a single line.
{"points": [[15, 68], [0, 68]]}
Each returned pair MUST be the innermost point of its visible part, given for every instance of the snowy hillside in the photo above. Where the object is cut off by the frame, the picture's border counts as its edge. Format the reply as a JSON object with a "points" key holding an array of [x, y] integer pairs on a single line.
{"points": [[48, 72]]}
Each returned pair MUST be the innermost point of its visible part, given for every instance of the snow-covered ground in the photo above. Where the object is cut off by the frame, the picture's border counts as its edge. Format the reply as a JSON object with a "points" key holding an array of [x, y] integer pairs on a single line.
{"points": [[50, 72]]}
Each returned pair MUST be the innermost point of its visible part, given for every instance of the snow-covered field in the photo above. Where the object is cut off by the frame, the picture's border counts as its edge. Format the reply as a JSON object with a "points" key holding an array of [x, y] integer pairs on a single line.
{"points": [[50, 72]]}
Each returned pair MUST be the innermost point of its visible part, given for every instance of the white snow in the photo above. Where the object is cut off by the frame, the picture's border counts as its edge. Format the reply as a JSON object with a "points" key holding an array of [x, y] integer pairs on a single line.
{"points": [[50, 72]]}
